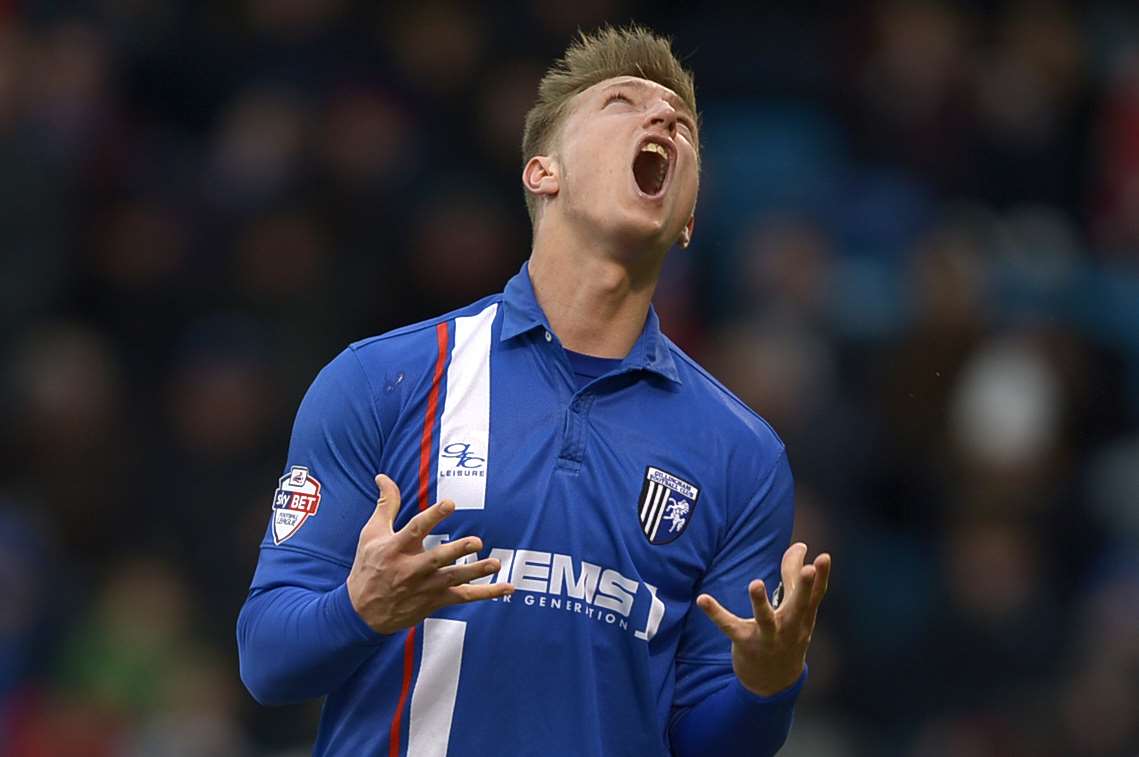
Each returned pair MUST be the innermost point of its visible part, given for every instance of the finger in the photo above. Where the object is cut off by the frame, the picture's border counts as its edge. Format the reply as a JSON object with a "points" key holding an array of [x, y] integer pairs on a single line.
{"points": [[801, 595], [791, 565], [422, 524], [476, 592], [724, 619], [448, 552], [822, 581], [388, 504], [453, 575], [764, 613]]}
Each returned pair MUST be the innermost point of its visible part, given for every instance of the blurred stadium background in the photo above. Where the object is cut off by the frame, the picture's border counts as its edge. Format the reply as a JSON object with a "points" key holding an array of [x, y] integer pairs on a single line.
{"points": [[916, 253]]}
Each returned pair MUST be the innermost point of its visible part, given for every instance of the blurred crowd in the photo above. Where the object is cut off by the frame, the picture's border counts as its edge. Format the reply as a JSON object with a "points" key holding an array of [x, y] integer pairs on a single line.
{"points": [[916, 254]]}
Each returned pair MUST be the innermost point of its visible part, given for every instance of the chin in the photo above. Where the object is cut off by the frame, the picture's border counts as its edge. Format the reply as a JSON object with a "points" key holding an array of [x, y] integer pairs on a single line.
{"points": [[649, 224], [641, 231]]}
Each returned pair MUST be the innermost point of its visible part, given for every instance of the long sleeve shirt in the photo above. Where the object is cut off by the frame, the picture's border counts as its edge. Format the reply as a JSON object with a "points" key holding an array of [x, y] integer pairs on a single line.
{"points": [[611, 503]]}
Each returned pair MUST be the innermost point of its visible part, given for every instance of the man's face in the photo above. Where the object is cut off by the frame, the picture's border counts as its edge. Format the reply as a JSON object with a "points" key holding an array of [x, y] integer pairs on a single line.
{"points": [[626, 159]]}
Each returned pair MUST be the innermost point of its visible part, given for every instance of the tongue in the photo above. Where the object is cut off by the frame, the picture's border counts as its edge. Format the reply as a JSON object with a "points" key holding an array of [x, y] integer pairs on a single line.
{"points": [[648, 171]]}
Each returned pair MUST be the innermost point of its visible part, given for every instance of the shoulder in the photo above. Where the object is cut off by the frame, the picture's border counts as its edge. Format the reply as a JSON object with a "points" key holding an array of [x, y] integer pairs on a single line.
{"points": [[382, 375], [745, 430], [414, 347], [749, 456]]}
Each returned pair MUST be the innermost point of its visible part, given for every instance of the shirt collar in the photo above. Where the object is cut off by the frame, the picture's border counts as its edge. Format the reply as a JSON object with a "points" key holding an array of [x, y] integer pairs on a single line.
{"points": [[523, 314]]}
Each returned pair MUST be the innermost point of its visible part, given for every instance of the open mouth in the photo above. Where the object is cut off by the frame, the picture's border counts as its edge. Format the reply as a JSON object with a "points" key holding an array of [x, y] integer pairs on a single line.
{"points": [[651, 168]]}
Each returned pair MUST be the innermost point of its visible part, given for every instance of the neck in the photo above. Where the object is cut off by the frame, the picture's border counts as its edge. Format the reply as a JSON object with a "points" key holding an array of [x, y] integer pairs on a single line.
{"points": [[595, 298]]}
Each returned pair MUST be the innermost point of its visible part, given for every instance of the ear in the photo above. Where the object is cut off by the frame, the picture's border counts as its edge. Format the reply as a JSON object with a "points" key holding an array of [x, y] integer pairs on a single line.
{"points": [[686, 232], [540, 175]]}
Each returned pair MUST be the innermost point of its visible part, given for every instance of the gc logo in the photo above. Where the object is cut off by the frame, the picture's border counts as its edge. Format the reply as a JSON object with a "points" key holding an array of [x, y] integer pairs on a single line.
{"points": [[460, 452]]}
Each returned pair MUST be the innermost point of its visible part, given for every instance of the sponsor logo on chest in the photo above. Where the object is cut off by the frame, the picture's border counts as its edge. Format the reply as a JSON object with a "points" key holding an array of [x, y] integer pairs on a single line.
{"points": [[558, 581]]}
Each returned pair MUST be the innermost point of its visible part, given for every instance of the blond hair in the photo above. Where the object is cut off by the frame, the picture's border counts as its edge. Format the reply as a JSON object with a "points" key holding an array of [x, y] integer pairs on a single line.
{"points": [[593, 58]]}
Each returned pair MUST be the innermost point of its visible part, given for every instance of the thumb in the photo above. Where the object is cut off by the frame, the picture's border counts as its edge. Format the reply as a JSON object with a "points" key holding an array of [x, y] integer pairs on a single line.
{"points": [[387, 506]]}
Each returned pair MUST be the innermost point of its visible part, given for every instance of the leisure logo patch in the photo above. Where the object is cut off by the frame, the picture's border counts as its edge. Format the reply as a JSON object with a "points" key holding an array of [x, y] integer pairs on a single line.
{"points": [[295, 501], [666, 505]]}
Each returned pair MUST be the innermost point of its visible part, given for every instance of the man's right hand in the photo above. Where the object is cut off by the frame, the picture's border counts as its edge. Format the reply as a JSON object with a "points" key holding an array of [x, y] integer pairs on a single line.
{"points": [[395, 583]]}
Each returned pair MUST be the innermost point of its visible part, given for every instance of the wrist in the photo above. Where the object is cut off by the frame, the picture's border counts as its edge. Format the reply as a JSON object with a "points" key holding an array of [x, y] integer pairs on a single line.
{"points": [[789, 691], [773, 685], [350, 616]]}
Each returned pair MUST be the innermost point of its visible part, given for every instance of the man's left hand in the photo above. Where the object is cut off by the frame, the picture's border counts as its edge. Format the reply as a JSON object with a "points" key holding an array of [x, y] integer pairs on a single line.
{"points": [[770, 650]]}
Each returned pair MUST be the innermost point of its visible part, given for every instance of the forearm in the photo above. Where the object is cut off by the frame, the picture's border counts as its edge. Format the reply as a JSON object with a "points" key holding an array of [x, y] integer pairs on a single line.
{"points": [[732, 716], [296, 644]]}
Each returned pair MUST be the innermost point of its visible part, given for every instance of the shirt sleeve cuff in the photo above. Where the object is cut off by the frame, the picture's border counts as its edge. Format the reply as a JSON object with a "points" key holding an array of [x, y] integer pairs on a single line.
{"points": [[787, 695], [349, 619]]}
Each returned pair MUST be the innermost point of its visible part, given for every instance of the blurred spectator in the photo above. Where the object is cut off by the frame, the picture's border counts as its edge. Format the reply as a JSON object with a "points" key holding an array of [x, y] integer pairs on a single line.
{"points": [[70, 439], [365, 141], [1031, 106], [1006, 416], [416, 33], [257, 150], [116, 668], [1117, 151], [462, 244], [913, 86], [1101, 697], [25, 580]]}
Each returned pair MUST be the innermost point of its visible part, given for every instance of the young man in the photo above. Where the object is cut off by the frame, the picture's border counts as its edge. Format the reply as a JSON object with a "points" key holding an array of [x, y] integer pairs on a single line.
{"points": [[592, 487]]}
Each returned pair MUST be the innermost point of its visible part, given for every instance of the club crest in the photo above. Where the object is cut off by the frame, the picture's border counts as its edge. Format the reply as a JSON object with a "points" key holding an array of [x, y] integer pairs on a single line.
{"points": [[666, 505], [295, 501]]}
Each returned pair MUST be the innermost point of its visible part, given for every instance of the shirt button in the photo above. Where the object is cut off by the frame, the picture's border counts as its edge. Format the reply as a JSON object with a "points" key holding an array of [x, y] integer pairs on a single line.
{"points": [[549, 337]]}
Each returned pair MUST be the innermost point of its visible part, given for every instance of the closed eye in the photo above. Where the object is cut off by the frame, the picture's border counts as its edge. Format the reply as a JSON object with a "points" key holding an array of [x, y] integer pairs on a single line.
{"points": [[617, 96]]}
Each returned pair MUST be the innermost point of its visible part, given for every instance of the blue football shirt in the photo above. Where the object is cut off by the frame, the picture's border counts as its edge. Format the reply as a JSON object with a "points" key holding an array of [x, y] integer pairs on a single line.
{"points": [[611, 503]]}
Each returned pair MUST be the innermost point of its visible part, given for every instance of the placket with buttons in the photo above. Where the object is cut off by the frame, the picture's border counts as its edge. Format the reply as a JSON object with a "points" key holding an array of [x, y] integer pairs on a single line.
{"points": [[572, 449]]}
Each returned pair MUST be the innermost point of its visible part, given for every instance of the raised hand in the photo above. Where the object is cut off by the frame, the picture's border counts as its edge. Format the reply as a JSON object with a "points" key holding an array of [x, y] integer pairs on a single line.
{"points": [[395, 583], [770, 650]]}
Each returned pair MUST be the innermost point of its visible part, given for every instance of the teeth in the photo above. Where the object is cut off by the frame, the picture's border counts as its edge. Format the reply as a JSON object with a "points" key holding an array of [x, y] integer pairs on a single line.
{"points": [[654, 147]]}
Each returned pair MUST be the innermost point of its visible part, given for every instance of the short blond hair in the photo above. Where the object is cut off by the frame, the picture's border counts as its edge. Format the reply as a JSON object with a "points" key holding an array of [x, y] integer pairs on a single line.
{"points": [[591, 58]]}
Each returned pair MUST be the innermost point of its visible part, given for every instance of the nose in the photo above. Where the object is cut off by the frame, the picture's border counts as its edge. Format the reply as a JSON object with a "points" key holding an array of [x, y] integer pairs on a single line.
{"points": [[661, 114]]}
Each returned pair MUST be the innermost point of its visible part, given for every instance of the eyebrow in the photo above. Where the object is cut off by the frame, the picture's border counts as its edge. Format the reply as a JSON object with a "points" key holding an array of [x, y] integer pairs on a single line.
{"points": [[672, 97]]}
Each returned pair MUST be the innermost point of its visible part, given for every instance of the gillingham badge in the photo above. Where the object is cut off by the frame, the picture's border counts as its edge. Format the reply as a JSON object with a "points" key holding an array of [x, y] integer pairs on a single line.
{"points": [[665, 506], [295, 501]]}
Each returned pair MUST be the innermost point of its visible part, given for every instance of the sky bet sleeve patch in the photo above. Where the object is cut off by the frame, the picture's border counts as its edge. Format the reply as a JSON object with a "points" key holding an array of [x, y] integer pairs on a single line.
{"points": [[295, 501]]}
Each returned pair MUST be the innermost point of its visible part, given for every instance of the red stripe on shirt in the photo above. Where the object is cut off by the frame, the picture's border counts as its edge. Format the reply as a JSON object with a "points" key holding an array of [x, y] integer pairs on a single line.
{"points": [[442, 337], [408, 663]]}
